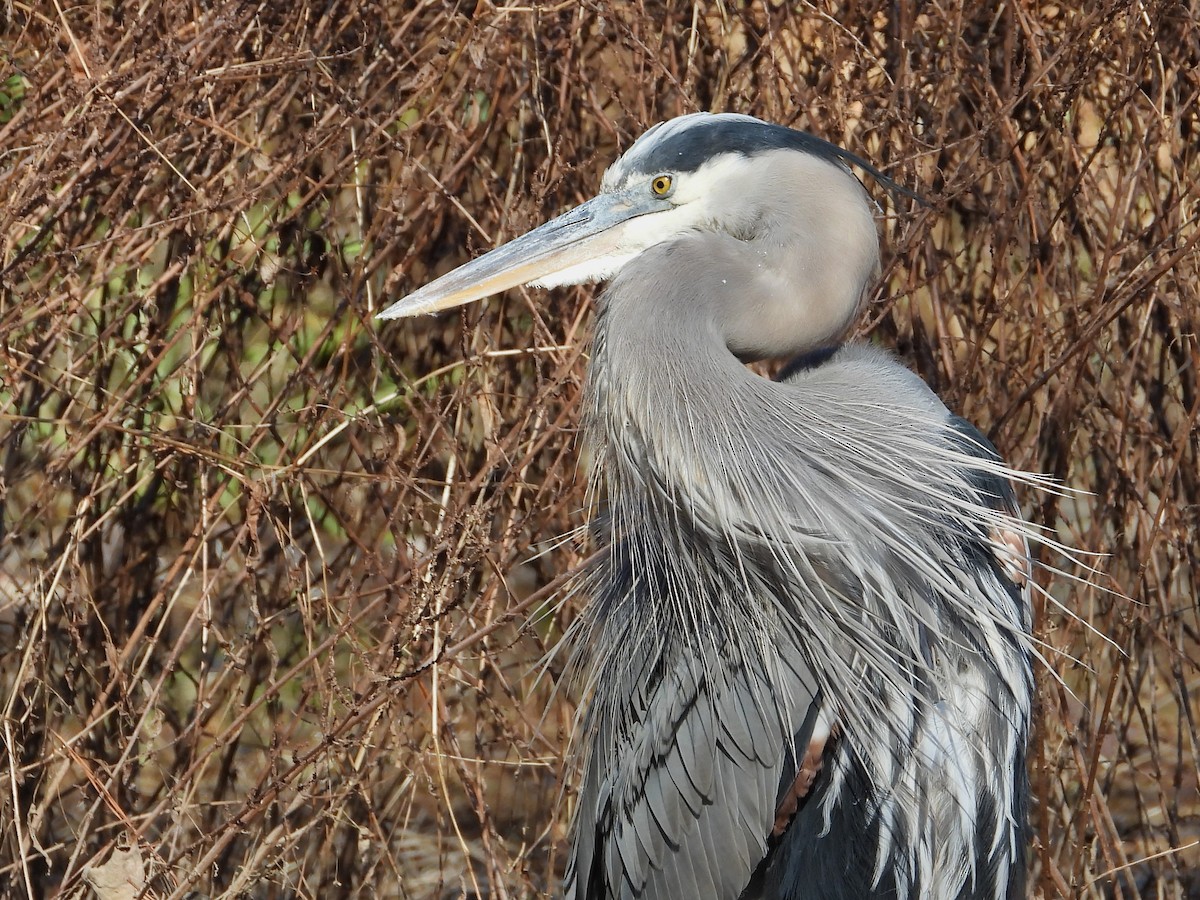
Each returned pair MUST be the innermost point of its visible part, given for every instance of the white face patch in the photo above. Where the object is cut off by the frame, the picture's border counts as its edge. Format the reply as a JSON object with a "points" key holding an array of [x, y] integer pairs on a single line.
{"points": [[691, 208], [699, 201]]}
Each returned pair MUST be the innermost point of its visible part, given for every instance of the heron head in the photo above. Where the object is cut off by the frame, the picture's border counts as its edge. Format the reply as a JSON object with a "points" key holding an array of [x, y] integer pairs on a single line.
{"points": [[701, 172]]}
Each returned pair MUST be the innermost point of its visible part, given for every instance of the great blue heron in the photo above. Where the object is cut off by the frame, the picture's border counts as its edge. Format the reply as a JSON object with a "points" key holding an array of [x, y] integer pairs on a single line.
{"points": [[808, 648]]}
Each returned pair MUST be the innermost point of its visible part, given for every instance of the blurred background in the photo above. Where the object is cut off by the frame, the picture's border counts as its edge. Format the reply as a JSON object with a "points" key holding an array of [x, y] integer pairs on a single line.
{"points": [[278, 582]]}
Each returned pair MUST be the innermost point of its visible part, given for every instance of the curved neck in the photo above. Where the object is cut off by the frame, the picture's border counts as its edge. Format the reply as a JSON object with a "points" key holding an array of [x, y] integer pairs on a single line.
{"points": [[677, 322], [668, 399]]}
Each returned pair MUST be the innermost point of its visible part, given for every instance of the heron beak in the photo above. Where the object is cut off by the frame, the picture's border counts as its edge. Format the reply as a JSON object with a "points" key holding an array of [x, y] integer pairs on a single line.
{"points": [[588, 243]]}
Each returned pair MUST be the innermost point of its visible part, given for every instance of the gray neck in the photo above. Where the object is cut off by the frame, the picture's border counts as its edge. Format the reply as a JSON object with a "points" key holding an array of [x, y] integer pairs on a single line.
{"points": [[663, 382], [668, 391]]}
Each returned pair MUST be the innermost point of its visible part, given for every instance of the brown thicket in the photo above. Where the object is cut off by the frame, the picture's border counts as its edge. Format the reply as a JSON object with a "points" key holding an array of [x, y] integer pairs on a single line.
{"points": [[276, 581]]}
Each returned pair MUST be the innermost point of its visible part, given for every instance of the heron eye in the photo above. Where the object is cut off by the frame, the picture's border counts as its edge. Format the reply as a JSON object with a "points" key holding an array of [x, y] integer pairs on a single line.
{"points": [[661, 185]]}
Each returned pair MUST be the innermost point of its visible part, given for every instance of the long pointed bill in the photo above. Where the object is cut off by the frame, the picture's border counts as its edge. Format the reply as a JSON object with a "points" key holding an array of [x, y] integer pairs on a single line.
{"points": [[588, 243]]}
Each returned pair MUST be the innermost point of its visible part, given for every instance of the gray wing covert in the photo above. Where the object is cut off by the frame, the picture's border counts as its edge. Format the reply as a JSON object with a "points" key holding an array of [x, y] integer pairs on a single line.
{"points": [[682, 804]]}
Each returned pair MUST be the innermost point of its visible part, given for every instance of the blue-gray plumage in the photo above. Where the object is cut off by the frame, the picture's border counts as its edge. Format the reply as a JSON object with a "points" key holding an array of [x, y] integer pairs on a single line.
{"points": [[807, 660]]}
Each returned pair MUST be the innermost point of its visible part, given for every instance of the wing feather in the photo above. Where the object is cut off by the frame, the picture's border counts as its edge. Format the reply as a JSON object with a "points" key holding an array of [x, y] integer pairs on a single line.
{"points": [[687, 811]]}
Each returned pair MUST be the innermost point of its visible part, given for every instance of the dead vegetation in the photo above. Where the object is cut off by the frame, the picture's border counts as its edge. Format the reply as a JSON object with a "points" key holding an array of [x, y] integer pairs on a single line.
{"points": [[267, 570]]}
